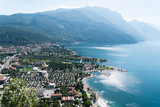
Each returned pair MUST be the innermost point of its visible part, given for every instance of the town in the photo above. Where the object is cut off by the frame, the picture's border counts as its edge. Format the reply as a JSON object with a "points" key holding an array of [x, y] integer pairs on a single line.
{"points": [[54, 71]]}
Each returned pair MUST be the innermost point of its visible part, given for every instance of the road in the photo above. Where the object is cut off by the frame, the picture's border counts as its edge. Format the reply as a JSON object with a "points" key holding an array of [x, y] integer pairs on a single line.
{"points": [[7, 63]]}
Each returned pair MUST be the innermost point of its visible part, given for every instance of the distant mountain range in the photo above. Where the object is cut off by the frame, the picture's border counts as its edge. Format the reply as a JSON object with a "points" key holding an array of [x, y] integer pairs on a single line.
{"points": [[148, 31], [88, 24]]}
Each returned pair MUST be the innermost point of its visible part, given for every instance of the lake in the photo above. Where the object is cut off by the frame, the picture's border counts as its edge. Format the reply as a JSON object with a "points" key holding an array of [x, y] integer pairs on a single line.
{"points": [[140, 87]]}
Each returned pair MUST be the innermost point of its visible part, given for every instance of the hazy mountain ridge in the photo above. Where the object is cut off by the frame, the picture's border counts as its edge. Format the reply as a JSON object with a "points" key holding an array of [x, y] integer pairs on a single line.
{"points": [[88, 24], [149, 31]]}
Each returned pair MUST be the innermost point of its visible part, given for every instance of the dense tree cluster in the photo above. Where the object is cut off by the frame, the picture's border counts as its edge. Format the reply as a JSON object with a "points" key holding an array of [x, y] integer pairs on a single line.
{"points": [[16, 94], [87, 101]]}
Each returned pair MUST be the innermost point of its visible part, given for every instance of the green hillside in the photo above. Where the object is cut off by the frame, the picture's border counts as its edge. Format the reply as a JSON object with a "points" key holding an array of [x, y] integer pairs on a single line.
{"points": [[65, 26]]}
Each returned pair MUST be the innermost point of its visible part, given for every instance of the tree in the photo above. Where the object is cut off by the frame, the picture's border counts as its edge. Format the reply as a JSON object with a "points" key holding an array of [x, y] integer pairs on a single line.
{"points": [[55, 102], [76, 102], [101, 60], [79, 86], [88, 103], [18, 95], [44, 102], [93, 96]]}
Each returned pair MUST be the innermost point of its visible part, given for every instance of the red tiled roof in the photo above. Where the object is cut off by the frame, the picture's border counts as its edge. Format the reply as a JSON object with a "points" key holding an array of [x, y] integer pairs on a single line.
{"points": [[2, 78], [67, 98], [56, 94]]}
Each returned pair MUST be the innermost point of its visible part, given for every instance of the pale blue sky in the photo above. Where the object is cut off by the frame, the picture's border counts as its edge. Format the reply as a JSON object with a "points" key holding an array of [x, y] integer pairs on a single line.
{"points": [[144, 10]]}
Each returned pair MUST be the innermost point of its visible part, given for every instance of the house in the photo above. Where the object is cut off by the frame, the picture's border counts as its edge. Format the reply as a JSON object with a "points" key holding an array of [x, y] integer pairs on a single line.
{"points": [[59, 96], [43, 73], [16, 59], [12, 68], [88, 67], [73, 92], [2, 79], [48, 93], [63, 99], [16, 64], [36, 69]]}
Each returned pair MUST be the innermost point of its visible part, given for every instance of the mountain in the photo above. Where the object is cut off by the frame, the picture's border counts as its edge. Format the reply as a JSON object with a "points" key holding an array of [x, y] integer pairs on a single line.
{"points": [[113, 19], [88, 24], [149, 31], [13, 36], [155, 26]]}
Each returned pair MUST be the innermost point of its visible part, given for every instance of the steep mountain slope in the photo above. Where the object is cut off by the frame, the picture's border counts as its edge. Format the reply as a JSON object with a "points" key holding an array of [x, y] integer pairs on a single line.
{"points": [[15, 36], [113, 19], [74, 25], [149, 32]]}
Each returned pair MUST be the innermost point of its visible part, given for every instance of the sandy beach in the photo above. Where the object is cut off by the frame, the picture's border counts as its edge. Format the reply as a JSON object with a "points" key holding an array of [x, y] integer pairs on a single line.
{"points": [[100, 102]]}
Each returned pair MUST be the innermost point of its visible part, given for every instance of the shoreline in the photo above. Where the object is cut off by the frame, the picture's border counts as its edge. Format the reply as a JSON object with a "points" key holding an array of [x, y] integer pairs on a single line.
{"points": [[100, 101], [107, 72]]}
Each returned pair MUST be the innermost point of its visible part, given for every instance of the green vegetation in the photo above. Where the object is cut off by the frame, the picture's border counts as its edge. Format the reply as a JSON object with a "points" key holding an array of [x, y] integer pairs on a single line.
{"points": [[104, 67], [55, 102], [87, 101], [26, 69], [63, 66], [77, 102], [79, 86], [11, 35], [44, 102], [93, 96], [68, 104], [60, 66], [64, 91], [18, 95]]}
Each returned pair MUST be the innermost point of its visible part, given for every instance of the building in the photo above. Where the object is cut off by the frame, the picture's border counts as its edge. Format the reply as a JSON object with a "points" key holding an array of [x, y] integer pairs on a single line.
{"points": [[50, 86], [63, 99], [12, 68], [2, 80], [16, 64], [43, 73], [59, 96], [16, 59], [36, 69], [48, 93], [88, 67], [73, 92]]}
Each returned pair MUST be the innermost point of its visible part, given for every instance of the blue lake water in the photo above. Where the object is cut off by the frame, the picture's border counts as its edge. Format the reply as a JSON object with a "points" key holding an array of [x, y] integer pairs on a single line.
{"points": [[140, 87]]}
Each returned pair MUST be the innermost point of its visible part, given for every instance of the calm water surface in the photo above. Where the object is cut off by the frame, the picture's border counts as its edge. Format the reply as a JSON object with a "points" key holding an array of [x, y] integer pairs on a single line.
{"points": [[140, 87]]}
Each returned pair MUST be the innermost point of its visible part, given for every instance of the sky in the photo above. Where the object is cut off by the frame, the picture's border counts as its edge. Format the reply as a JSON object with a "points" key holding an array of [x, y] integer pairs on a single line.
{"points": [[142, 10]]}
